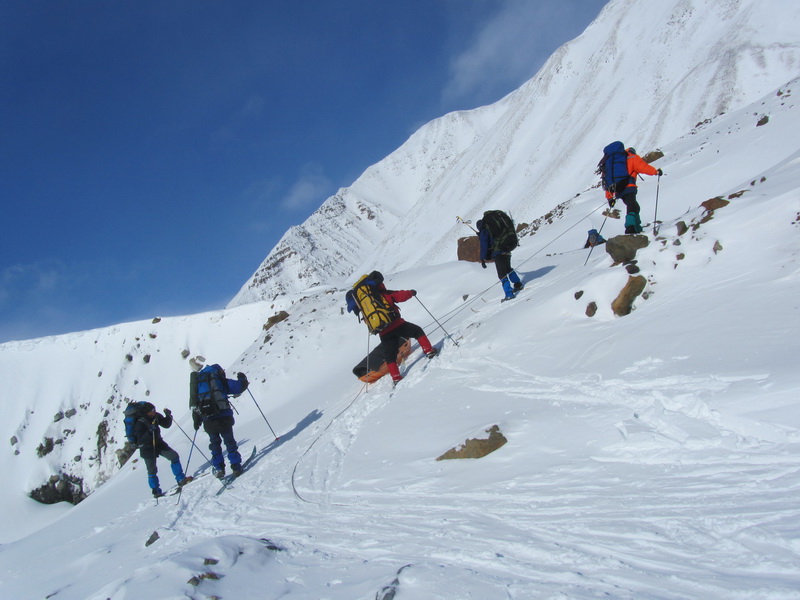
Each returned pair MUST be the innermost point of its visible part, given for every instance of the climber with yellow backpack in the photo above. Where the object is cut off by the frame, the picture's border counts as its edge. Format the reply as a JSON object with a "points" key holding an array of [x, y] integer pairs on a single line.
{"points": [[371, 301]]}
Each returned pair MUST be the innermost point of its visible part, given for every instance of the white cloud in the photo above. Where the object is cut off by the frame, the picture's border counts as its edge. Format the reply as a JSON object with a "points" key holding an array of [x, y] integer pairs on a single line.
{"points": [[309, 190], [513, 45]]}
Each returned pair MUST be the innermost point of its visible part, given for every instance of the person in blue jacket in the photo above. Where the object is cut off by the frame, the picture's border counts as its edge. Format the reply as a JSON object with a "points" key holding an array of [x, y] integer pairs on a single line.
{"points": [[502, 261], [146, 435], [210, 406]]}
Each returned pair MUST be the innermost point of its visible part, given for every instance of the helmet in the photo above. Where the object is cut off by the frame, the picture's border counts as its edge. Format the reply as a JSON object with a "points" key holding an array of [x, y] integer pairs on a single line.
{"points": [[632, 150]]}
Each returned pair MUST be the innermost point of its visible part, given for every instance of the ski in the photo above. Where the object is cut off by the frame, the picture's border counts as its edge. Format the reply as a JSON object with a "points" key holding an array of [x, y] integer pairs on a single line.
{"points": [[229, 479]]}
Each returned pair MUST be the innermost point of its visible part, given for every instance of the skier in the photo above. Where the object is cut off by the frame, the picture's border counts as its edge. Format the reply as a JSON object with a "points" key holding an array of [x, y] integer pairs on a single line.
{"points": [[146, 432], [636, 166], [392, 334], [502, 259], [208, 400]]}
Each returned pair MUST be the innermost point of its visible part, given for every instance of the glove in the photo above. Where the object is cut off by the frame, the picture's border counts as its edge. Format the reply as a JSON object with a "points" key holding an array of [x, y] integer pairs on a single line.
{"points": [[483, 264], [197, 420], [167, 413], [243, 380], [660, 173], [413, 292], [611, 202]]}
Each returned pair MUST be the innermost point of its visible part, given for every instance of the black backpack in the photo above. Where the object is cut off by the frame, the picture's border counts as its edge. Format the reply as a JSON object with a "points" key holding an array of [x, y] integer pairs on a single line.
{"points": [[207, 391], [501, 229], [135, 411], [613, 168]]}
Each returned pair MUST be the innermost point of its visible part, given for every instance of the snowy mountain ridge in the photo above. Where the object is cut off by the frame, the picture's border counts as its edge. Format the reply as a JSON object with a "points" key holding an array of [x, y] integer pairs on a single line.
{"points": [[644, 72], [649, 456]]}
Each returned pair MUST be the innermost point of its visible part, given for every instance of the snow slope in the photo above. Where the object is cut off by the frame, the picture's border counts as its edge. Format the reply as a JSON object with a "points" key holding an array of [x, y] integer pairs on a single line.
{"points": [[649, 456]]}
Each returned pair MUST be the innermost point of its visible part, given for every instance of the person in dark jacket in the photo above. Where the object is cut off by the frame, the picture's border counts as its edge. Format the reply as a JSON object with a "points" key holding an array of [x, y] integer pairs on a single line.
{"points": [[502, 261], [147, 437], [594, 239], [219, 425]]}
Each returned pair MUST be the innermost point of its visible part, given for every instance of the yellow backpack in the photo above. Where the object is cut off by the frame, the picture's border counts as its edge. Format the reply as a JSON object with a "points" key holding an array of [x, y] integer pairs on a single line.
{"points": [[376, 311]]}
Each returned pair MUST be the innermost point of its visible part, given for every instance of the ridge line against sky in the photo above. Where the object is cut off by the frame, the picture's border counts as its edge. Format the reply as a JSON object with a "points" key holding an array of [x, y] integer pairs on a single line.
{"points": [[154, 153]]}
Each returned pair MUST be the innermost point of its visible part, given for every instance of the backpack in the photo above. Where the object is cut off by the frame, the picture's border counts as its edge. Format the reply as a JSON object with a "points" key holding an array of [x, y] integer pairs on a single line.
{"points": [[133, 412], [613, 168], [501, 229], [207, 391], [366, 299]]}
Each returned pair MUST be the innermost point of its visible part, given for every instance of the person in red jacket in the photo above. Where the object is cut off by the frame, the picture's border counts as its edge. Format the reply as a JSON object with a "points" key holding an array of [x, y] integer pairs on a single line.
{"points": [[636, 166], [400, 328]]}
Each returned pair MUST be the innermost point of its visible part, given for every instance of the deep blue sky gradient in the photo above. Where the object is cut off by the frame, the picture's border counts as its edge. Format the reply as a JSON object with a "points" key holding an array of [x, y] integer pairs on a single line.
{"points": [[153, 152]]}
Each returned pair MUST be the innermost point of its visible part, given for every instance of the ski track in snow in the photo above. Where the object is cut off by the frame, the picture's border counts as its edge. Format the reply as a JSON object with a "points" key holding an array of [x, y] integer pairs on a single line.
{"points": [[628, 536]]}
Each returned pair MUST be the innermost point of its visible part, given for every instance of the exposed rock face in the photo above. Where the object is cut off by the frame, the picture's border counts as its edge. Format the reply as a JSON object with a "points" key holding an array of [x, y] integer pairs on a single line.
{"points": [[476, 448], [60, 488]]}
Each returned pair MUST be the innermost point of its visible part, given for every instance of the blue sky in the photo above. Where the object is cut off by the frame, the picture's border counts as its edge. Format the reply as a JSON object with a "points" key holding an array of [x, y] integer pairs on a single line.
{"points": [[153, 152]]}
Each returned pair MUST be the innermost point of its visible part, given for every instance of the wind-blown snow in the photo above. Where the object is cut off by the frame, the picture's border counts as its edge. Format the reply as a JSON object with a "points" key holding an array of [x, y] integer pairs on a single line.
{"points": [[649, 456]]}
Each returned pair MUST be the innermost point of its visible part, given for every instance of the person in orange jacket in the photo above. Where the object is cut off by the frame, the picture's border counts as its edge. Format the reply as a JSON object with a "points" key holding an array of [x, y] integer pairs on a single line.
{"points": [[636, 167]]}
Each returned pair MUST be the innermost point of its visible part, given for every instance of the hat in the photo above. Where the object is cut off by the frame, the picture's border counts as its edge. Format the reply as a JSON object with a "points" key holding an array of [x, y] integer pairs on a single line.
{"points": [[632, 150]]}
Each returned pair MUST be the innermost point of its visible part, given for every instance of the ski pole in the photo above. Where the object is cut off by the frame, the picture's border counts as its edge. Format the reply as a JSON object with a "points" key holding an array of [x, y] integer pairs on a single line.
{"points": [[192, 441], [262, 413], [592, 248], [366, 383], [188, 460], [655, 215], [437, 321]]}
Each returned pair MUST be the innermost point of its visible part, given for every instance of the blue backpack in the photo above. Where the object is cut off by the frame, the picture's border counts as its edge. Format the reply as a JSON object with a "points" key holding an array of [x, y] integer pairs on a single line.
{"points": [[208, 391], [134, 412], [613, 168]]}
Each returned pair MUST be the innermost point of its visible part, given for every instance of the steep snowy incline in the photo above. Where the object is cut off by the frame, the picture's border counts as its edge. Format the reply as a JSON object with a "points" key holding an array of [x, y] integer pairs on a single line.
{"points": [[644, 72], [653, 456]]}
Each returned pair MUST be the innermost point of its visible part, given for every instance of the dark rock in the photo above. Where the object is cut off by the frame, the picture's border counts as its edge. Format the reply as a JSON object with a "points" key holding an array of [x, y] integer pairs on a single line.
{"points": [[60, 488], [623, 248], [275, 319], [591, 309]]}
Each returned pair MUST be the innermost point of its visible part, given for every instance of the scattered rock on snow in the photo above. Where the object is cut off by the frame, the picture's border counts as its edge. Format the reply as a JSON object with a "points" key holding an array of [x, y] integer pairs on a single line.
{"points": [[274, 319], [622, 248], [476, 448], [623, 303]]}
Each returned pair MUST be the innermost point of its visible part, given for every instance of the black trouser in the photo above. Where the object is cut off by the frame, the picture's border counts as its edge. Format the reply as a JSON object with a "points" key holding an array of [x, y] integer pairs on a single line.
{"points": [[629, 198], [502, 263], [391, 341]]}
